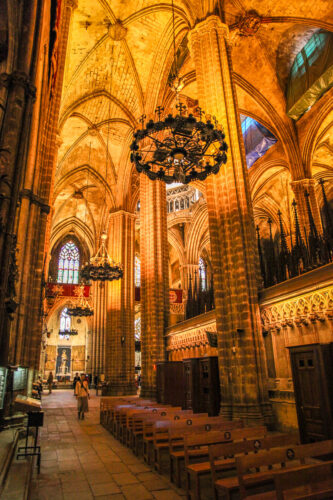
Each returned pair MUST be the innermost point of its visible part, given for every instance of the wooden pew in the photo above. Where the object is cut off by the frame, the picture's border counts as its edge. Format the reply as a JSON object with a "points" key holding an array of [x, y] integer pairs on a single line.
{"points": [[247, 450], [136, 418], [197, 447], [264, 461], [177, 432], [159, 432], [311, 482]]}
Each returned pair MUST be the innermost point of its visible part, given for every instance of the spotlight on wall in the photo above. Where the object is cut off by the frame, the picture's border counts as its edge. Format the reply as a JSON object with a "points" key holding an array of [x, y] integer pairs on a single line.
{"points": [[122, 340]]}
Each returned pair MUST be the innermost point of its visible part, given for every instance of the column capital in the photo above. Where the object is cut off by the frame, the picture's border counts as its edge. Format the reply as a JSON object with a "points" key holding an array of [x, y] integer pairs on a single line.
{"points": [[303, 184], [122, 212], [210, 24], [20, 79], [72, 4]]}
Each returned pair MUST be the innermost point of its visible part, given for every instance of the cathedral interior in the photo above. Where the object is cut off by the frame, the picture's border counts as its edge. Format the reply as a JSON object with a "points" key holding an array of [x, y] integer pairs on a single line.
{"points": [[166, 207]]}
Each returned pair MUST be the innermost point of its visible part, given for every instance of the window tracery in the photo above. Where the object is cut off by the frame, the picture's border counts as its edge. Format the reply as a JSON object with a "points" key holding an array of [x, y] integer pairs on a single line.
{"points": [[65, 324], [137, 271], [203, 273], [69, 263]]}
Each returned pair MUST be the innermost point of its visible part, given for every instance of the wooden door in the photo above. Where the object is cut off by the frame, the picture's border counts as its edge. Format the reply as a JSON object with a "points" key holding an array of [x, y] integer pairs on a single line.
{"points": [[191, 385], [311, 365]]}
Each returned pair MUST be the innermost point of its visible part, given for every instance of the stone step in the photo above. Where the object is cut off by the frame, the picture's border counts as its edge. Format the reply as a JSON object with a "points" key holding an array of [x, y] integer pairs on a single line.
{"points": [[8, 443], [18, 477]]}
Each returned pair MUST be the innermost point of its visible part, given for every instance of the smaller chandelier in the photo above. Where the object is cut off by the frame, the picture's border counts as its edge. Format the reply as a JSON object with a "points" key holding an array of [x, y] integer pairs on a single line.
{"points": [[82, 306], [101, 267], [179, 148], [68, 332], [82, 309]]}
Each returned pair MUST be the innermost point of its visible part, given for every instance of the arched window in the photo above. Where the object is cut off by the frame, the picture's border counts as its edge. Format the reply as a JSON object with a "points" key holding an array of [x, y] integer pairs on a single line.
{"points": [[137, 328], [65, 321], [257, 139], [203, 273], [69, 263], [137, 271], [311, 74]]}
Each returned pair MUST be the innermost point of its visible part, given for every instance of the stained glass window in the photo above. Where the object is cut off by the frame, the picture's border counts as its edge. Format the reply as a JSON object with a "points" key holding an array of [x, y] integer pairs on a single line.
{"points": [[307, 56], [65, 323], [203, 273], [69, 263], [137, 271], [137, 328]]}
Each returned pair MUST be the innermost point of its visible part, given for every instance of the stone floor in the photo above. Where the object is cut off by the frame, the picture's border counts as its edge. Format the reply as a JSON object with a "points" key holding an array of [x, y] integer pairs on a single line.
{"points": [[81, 460]]}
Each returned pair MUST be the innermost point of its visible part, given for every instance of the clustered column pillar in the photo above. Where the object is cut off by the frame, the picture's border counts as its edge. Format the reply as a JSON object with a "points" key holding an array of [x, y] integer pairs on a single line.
{"points": [[240, 344], [99, 327], [154, 280], [37, 188], [120, 346]]}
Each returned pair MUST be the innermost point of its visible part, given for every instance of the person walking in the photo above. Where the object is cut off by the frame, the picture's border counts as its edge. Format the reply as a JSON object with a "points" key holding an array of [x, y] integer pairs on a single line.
{"points": [[50, 382], [76, 379], [82, 394]]}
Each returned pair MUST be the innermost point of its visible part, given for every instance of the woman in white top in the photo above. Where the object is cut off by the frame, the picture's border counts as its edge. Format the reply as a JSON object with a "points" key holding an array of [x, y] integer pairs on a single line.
{"points": [[82, 394]]}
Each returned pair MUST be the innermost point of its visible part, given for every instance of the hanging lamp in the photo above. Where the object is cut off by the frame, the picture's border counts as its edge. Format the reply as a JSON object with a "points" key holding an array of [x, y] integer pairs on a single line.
{"points": [[180, 148]]}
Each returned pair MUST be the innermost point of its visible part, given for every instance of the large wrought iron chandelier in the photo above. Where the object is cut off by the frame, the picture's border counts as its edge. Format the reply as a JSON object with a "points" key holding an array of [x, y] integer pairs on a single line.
{"points": [[180, 148], [101, 267]]}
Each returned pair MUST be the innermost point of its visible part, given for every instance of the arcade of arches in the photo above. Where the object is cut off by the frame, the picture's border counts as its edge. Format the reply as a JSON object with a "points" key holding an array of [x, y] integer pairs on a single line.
{"points": [[75, 78]]}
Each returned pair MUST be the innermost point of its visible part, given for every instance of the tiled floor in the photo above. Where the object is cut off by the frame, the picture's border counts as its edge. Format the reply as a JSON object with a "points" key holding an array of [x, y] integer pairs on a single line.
{"points": [[82, 461]]}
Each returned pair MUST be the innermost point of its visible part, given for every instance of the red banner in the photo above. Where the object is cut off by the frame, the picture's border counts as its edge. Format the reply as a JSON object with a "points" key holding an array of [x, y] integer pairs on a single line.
{"points": [[66, 290], [175, 295]]}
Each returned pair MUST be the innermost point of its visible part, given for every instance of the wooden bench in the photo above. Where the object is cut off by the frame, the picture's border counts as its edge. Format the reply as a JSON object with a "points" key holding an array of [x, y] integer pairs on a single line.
{"points": [[136, 428], [197, 447], [266, 464], [135, 417], [178, 430], [246, 450], [311, 482], [159, 432]]}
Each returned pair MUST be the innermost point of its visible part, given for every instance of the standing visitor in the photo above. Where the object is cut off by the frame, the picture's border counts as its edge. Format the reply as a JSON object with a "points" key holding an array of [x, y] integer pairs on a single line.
{"points": [[82, 394], [50, 382], [76, 379]]}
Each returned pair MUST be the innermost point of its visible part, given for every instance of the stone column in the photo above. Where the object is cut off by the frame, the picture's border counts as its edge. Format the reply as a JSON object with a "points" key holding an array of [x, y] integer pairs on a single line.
{"points": [[35, 195], [300, 187], [154, 280], [120, 347], [242, 367], [98, 328]]}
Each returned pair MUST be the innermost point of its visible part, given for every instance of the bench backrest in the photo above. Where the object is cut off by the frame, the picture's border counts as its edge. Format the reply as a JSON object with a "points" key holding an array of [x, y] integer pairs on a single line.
{"points": [[280, 456], [304, 476]]}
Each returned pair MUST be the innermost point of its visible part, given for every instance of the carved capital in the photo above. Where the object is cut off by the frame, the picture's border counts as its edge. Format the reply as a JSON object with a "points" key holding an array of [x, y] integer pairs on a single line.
{"points": [[72, 4], [18, 79], [210, 25]]}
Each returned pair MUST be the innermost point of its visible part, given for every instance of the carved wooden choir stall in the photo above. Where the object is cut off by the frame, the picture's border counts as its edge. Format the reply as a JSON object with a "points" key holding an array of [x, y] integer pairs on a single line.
{"points": [[192, 384]]}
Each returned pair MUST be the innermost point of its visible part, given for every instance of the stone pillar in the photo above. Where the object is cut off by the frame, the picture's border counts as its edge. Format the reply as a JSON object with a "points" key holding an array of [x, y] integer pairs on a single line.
{"points": [[33, 220], [98, 328], [242, 367], [300, 187], [120, 346], [154, 280]]}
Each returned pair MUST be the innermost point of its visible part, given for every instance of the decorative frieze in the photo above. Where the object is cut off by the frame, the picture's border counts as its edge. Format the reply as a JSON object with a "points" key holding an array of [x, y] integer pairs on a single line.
{"points": [[312, 307]]}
